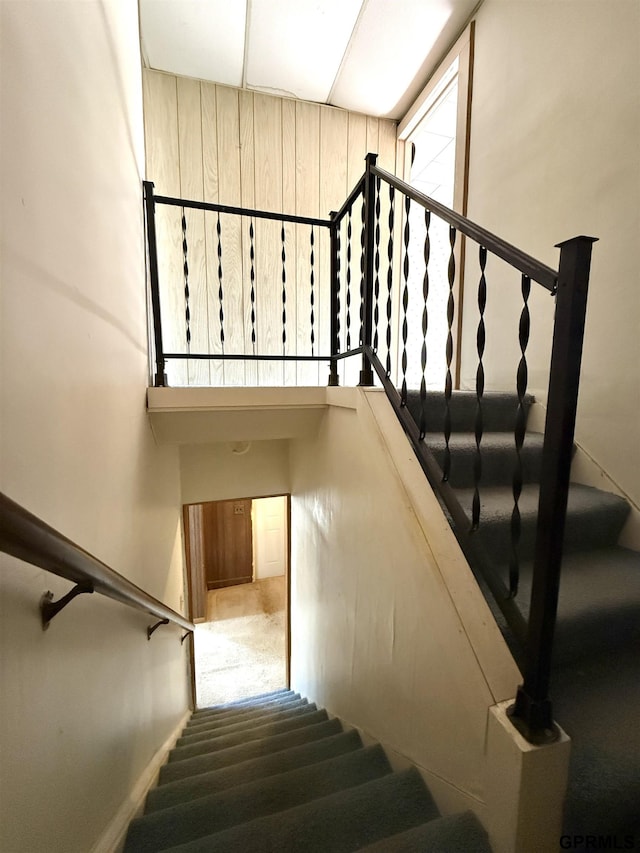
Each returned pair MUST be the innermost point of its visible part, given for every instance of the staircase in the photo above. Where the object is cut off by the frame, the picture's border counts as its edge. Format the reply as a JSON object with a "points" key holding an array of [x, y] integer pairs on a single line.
{"points": [[274, 773], [596, 680]]}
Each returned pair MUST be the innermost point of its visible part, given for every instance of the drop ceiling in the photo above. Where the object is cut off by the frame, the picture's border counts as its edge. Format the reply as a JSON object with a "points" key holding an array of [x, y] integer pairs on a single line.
{"points": [[370, 56]]}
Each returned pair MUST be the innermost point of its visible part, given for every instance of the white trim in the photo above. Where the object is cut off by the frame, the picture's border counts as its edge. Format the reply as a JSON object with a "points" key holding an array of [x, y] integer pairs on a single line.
{"points": [[113, 838]]}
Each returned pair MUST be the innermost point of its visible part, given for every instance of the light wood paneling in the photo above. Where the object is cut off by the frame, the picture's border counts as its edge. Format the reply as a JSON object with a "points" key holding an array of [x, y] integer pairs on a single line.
{"points": [[215, 143]]}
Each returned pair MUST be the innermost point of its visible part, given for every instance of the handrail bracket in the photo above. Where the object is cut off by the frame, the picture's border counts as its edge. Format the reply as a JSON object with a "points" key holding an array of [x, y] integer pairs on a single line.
{"points": [[152, 628], [50, 608]]}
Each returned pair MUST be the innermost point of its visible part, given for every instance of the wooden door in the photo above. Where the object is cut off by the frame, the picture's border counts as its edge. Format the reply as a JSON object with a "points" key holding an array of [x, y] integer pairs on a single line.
{"points": [[196, 574], [227, 543]]}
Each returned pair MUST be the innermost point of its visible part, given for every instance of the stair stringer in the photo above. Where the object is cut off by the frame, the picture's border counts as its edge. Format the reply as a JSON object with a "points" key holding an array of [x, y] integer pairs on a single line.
{"points": [[391, 632]]}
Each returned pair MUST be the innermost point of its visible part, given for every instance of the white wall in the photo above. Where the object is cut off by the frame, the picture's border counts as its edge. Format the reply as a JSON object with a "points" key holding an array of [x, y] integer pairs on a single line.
{"points": [[213, 472], [389, 630], [85, 705], [554, 154]]}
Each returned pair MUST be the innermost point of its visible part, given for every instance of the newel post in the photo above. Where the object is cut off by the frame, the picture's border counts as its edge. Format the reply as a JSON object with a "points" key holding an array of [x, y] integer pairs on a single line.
{"points": [[366, 374], [160, 378], [334, 380], [532, 713]]}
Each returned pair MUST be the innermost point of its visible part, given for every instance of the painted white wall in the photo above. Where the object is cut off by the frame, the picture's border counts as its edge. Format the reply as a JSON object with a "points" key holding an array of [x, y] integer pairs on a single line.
{"points": [[389, 630], [269, 537], [84, 706], [213, 472], [554, 154]]}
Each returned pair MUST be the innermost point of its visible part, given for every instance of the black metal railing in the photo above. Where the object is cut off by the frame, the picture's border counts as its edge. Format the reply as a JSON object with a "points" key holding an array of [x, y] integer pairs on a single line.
{"points": [[25, 536], [371, 275]]}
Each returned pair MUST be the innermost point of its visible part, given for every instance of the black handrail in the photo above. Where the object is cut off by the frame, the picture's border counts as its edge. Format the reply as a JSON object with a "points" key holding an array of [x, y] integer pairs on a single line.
{"points": [[27, 537], [241, 211], [536, 270]]}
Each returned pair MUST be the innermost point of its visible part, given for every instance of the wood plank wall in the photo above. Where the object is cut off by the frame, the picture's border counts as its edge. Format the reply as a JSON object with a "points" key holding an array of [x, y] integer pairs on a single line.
{"points": [[215, 143]]}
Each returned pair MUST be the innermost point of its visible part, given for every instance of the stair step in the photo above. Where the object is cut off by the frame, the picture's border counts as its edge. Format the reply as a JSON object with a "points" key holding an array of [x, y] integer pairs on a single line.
{"points": [[460, 833], [498, 455], [216, 812], [226, 778], [238, 716], [498, 410], [340, 822], [594, 519], [599, 602], [246, 704], [214, 744], [214, 731], [253, 749]]}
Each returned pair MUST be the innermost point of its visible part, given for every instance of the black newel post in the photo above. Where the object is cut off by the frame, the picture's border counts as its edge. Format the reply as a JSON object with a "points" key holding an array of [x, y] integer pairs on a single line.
{"points": [[160, 378], [532, 713], [366, 374], [335, 290]]}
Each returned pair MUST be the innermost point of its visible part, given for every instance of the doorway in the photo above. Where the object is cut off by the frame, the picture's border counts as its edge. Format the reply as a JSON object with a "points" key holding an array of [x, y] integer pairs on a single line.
{"points": [[238, 570]]}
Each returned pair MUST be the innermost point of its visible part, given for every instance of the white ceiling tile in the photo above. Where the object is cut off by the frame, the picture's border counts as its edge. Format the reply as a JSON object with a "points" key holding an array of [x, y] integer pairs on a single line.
{"points": [[296, 46], [393, 51], [195, 38]]}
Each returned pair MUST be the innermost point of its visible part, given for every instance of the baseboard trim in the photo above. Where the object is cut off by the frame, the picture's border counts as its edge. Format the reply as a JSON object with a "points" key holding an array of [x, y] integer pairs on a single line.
{"points": [[113, 838]]}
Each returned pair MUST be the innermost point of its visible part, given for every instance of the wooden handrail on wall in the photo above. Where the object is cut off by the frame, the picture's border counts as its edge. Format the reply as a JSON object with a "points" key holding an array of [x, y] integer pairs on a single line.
{"points": [[25, 536]]}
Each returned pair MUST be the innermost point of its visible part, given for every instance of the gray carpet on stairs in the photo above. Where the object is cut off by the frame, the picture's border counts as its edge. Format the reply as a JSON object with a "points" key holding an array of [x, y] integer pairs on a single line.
{"points": [[595, 686], [279, 792]]}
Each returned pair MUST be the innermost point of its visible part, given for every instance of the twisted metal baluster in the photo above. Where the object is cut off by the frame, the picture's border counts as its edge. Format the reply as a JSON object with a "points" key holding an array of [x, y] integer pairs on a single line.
{"points": [[405, 300], [480, 342], [312, 294], [339, 285], [425, 327], [376, 267], [448, 386], [284, 290], [348, 318], [519, 432], [392, 217], [220, 290], [362, 272], [185, 268], [252, 256]]}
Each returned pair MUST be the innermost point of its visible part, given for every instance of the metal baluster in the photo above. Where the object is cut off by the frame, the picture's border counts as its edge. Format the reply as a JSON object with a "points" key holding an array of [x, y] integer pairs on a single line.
{"points": [[338, 287], [220, 290], [312, 294], [425, 326], [362, 271], [480, 342], [284, 290], [252, 257], [376, 265], [448, 386], [185, 268], [392, 217], [405, 299], [520, 429], [348, 319]]}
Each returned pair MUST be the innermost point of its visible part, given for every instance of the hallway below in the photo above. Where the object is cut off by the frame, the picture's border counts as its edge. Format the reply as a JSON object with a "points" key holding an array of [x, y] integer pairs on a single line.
{"points": [[241, 649]]}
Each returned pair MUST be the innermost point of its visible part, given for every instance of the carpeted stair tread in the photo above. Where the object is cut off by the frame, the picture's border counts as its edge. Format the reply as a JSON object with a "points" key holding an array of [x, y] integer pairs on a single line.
{"points": [[213, 744], [244, 751], [340, 822], [216, 812], [498, 410], [498, 454], [594, 519], [599, 602], [248, 700], [460, 833], [596, 701], [214, 731], [172, 793], [243, 705], [240, 716]]}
